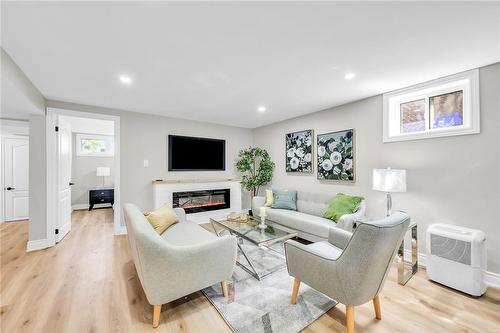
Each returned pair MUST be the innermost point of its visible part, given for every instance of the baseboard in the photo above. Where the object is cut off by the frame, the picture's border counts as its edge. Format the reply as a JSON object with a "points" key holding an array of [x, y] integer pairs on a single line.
{"points": [[422, 258], [86, 206], [121, 230], [38, 244], [490, 279]]}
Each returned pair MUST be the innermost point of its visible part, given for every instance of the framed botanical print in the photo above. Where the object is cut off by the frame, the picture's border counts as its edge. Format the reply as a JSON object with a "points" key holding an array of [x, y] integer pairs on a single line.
{"points": [[335, 153], [299, 151]]}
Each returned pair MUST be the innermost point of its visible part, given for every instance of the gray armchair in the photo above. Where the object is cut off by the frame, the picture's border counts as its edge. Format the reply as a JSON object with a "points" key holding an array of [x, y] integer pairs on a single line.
{"points": [[182, 260], [351, 267]]}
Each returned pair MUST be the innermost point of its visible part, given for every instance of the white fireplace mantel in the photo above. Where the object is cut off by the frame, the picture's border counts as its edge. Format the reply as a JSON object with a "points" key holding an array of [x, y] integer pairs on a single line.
{"points": [[163, 193]]}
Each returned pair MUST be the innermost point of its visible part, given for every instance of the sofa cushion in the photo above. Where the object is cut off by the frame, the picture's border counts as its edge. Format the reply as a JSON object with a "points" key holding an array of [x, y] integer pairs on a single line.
{"points": [[315, 225], [162, 218], [314, 203], [325, 250], [187, 233], [284, 199], [342, 204], [269, 198]]}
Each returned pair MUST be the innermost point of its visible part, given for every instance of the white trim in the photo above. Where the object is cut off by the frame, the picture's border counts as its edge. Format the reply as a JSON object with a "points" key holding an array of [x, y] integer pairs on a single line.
{"points": [[468, 82], [121, 230], [38, 244], [52, 172], [490, 279], [86, 206]]}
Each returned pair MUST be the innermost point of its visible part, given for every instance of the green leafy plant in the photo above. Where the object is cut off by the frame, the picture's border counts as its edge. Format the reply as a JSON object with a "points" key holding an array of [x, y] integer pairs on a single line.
{"points": [[257, 168]]}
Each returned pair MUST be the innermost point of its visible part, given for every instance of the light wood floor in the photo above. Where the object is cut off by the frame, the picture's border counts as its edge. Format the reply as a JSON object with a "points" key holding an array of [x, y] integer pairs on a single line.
{"points": [[87, 283]]}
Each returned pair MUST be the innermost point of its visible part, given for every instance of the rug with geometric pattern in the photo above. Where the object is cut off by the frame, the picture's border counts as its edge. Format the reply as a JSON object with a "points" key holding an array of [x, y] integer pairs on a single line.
{"points": [[255, 306]]}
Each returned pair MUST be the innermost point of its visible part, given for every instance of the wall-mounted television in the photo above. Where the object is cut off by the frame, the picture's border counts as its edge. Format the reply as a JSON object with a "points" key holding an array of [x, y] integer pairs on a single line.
{"points": [[187, 153]]}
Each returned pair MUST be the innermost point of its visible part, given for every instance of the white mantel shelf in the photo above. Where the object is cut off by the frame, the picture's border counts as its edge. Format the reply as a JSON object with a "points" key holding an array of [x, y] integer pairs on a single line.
{"points": [[163, 194], [190, 181]]}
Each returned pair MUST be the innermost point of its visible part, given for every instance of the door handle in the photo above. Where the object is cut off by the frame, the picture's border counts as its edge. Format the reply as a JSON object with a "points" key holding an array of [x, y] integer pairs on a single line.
{"points": [[71, 184], [10, 188]]}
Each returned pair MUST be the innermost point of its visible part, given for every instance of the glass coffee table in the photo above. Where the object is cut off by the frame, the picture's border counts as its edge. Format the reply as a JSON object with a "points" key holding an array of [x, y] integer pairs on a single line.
{"points": [[269, 239]]}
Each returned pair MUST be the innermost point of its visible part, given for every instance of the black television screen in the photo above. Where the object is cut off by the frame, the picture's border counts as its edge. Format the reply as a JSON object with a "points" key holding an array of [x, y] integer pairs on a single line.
{"points": [[195, 154]]}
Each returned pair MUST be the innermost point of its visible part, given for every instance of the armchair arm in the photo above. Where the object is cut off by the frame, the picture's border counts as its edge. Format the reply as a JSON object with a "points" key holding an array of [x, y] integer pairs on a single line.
{"points": [[346, 221], [171, 272], [315, 269], [181, 214], [339, 237], [257, 202]]}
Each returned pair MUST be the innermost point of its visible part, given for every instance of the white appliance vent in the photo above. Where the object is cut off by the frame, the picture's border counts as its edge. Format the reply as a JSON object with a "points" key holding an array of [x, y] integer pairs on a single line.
{"points": [[456, 257], [451, 249]]}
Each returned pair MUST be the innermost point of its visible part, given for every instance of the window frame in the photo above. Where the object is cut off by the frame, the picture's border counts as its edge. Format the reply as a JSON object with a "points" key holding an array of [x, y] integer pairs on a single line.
{"points": [[108, 138], [468, 82]]}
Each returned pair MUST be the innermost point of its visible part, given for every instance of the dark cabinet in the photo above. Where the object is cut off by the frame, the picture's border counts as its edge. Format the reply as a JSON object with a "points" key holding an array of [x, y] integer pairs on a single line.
{"points": [[101, 196]]}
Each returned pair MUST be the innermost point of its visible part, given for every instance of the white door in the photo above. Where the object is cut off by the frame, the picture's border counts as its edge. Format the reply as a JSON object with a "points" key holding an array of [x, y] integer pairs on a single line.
{"points": [[64, 179], [16, 169]]}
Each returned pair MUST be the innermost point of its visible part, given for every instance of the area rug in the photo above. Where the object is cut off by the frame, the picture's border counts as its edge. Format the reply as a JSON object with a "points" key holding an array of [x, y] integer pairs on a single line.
{"points": [[255, 306]]}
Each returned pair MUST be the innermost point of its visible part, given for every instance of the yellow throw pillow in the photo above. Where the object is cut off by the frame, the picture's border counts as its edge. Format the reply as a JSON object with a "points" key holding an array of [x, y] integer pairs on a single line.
{"points": [[269, 198], [162, 218]]}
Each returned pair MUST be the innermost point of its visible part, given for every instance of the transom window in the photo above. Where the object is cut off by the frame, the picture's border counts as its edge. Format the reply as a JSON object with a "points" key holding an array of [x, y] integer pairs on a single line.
{"points": [[443, 107], [94, 145]]}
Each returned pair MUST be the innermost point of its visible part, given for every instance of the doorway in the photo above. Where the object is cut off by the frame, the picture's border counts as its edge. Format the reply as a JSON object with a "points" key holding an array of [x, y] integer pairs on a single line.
{"points": [[15, 175], [83, 167]]}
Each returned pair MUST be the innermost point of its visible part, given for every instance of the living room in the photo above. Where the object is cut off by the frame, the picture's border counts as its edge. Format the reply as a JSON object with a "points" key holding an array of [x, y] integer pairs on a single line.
{"points": [[277, 166]]}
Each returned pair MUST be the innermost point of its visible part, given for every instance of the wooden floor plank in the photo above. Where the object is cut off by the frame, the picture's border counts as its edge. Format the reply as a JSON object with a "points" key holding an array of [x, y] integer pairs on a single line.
{"points": [[88, 283]]}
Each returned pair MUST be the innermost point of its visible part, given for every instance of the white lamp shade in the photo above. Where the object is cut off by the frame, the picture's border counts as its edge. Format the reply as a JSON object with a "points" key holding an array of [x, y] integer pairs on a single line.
{"points": [[389, 180], [102, 171]]}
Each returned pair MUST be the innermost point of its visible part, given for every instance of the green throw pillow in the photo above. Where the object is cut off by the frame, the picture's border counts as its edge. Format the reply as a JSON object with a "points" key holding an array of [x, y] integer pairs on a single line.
{"points": [[342, 204]]}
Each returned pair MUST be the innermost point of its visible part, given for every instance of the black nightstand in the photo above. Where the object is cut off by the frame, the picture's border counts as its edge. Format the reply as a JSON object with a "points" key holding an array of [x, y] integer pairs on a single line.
{"points": [[101, 196]]}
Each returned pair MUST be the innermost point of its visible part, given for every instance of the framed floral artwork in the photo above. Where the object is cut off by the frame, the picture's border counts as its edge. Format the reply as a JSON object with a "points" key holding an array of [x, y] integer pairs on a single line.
{"points": [[336, 156], [299, 151]]}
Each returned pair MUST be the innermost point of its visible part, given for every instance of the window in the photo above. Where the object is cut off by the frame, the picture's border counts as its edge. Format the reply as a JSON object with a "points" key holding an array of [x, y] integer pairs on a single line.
{"points": [[94, 145], [442, 107]]}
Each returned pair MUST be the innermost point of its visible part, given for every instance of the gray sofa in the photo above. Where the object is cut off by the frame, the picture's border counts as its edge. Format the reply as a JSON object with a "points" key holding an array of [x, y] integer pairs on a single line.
{"points": [[308, 220], [184, 259]]}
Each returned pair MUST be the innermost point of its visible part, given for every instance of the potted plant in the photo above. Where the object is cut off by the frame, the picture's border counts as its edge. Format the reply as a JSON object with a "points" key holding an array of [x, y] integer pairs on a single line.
{"points": [[257, 168]]}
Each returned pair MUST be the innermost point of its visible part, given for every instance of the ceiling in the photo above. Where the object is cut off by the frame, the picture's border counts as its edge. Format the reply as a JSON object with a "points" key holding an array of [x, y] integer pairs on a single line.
{"points": [[219, 62]]}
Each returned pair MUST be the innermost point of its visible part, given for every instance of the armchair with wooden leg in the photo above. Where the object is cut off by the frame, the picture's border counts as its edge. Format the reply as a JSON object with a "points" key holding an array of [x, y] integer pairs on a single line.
{"points": [[183, 259], [351, 267]]}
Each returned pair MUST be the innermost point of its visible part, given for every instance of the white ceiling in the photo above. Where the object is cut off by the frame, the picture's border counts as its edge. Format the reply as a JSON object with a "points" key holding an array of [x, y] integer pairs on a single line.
{"points": [[219, 61], [89, 125]]}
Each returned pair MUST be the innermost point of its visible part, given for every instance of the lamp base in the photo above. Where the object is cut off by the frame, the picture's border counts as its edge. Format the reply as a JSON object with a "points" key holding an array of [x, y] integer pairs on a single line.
{"points": [[388, 204]]}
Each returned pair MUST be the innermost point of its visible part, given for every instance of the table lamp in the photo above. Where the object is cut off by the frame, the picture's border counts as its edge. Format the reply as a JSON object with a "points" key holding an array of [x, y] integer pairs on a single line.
{"points": [[102, 172], [388, 181]]}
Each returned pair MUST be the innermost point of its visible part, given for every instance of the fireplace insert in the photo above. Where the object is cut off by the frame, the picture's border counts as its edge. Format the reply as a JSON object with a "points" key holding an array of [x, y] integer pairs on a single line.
{"points": [[202, 201]]}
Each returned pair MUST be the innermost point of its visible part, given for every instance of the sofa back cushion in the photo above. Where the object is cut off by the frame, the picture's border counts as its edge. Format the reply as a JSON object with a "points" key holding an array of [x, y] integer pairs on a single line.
{"points": [[314, 203], [285, 199]]}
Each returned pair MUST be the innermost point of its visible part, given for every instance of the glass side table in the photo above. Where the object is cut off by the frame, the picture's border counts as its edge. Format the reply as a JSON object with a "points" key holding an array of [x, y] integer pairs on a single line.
{"points": [[405, 275]]}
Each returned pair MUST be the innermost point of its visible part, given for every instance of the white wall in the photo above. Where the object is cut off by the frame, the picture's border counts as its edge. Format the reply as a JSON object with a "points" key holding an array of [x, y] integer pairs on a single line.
{"points": [[452, 180], [38, 179], [83, 174], [144, 137]]}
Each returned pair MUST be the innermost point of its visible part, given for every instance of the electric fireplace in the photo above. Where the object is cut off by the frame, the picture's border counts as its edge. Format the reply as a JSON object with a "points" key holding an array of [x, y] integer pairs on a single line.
{"points": [[202, 201]]}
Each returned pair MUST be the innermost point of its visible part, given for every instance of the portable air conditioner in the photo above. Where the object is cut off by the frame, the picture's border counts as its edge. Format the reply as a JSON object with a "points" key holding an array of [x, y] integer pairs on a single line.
{"points": [[456, 257]]}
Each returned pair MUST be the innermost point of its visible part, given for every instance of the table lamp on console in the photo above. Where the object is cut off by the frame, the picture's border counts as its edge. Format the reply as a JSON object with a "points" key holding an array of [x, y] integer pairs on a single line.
{"points": [[389, 181]]}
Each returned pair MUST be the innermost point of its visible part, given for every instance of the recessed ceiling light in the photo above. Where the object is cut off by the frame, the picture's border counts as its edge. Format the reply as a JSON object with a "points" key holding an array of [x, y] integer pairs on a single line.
{"points": [[261, 109], [125, 79], [349, 76]]}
